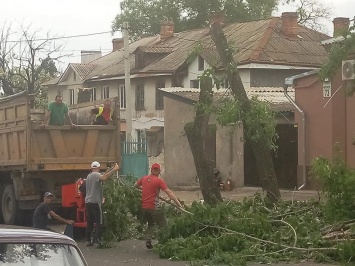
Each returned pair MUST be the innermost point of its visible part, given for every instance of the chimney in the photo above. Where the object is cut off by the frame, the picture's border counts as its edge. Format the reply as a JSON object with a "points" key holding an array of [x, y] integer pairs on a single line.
{"points": [[217, 17], [340, 25], [117, 44], [289, 24], [166, 29], [88, 56]]}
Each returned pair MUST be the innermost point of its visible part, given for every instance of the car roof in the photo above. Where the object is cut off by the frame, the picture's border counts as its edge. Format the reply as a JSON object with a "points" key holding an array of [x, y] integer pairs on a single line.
{"points": [[18, 234]]}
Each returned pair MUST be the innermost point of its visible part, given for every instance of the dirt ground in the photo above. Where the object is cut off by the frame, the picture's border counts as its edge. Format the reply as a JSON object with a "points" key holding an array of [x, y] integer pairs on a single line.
{"points": [[133, 252]]}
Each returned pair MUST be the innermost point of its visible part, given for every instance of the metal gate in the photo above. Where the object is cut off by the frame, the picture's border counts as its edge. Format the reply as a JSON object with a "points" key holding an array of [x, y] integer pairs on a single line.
{"points": [[134, 159]]}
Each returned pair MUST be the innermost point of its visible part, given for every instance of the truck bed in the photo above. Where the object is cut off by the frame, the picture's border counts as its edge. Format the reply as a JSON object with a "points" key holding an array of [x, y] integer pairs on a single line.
{"points": [[26, 146]]}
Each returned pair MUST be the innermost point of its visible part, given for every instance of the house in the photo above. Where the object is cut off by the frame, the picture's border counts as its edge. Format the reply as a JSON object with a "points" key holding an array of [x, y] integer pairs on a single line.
{"points": [[267, 51], [325, 113], [226, 145]]}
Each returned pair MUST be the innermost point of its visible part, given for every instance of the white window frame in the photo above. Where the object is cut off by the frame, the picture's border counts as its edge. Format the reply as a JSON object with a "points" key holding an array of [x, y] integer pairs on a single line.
{"points": [[71, 96], [105, 92], [122, 94], [93, 94]]}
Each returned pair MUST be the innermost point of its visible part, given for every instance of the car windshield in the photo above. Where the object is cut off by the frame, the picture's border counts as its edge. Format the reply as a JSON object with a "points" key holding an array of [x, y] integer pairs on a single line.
{"points": [[39, 254]]}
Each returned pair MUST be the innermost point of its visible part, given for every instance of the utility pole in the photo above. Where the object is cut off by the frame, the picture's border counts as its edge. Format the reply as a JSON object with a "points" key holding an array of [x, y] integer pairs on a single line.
{"points": [[127, 70]]}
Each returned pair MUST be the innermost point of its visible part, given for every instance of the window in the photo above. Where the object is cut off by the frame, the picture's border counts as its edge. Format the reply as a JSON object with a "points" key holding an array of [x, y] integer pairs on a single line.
{"points": [[105, 92], [122, 97], [71, 96], [140, 97], [74, 76], [195, 83], [159, 99], [201, 63], [93, 94]]}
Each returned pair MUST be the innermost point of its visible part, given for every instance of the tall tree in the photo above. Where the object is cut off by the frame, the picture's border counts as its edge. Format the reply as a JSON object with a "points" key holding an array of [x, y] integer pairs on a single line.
{"points": [[26, 62], [196, 133], [145, 16], [258, 136]]}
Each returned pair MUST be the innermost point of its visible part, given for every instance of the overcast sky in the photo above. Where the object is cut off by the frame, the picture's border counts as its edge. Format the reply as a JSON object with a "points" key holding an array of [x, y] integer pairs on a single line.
{"points": [[80, 17]]}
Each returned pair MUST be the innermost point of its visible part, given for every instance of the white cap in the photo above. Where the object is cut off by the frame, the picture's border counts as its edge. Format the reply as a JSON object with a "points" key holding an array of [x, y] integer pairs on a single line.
{"points": [[95, 164]]}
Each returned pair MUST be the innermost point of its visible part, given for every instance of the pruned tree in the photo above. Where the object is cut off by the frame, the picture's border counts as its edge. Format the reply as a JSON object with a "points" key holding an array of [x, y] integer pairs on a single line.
{"points": [[257, 130], [196, 133], [26, 62]]}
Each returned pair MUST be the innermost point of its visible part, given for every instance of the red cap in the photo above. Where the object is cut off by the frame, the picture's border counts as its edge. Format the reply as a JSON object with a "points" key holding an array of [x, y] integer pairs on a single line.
{"points": [[155, 166]]}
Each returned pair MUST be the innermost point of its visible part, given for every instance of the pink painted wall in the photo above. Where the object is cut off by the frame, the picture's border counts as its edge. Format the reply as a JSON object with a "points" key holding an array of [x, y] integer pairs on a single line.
{"points": [[328, 121]]}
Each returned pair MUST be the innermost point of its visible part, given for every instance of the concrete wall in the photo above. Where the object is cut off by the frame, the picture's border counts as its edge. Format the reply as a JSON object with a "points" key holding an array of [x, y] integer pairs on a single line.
{"points": [[179, 163], [178, 159], [230, 153]]}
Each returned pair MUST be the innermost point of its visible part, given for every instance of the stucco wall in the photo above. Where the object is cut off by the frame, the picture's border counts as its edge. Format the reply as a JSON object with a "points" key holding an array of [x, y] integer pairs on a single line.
{"points": [[329, 120], [178, 160], [179, 163], [230, 153], [350, 133], [272, 77], [194, 73]]}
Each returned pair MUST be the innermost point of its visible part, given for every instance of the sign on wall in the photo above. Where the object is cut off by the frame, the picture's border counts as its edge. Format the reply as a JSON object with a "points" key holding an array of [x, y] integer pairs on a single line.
{"points": [[327, 89]]}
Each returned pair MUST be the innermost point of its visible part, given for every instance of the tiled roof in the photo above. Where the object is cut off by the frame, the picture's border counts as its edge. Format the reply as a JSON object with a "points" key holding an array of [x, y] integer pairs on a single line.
{"points": [[83, 69], [273, 95]]}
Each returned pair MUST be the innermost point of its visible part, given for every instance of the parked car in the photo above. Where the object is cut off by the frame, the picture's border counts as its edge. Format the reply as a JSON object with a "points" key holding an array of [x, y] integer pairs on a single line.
{"points": [[28, 246]]}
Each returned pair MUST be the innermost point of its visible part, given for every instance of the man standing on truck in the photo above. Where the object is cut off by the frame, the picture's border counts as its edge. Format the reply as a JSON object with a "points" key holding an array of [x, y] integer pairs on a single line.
{"points": [[56, 112], [103, 114], [93, 202], [40, 215]]}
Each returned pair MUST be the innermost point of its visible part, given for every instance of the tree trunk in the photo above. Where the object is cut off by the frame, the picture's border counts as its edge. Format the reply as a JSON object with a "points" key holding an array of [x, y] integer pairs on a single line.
{"points": [[261, 149], [196, 134]]}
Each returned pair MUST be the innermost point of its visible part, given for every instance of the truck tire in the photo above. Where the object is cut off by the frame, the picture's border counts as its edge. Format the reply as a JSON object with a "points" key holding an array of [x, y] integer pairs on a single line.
{"points": [[9, 206]]}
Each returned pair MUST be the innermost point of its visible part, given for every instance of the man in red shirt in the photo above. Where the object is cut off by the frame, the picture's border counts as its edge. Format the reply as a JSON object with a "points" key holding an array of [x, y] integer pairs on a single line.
{"points": [[151, 186]]}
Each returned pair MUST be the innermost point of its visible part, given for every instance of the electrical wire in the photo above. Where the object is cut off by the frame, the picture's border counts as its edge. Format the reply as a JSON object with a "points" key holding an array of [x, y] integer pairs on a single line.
{"points": [[64, 37]]}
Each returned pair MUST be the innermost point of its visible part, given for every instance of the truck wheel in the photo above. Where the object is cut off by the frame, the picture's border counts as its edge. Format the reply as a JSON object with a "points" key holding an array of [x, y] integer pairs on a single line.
{"points": [[9, 205]]}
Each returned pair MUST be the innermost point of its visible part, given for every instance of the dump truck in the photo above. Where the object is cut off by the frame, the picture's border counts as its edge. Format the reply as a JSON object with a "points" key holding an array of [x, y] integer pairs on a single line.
{"points": [[35, 159]]}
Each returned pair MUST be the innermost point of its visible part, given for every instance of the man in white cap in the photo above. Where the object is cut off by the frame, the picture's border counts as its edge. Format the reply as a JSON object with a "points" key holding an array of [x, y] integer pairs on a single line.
{"points": [[93, 202], [40, 215]]}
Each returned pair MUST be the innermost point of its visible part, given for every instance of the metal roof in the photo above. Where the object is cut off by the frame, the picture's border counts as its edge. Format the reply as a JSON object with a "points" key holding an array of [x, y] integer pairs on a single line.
{"points": [[258, 41], [155, 49], [273, 95]]}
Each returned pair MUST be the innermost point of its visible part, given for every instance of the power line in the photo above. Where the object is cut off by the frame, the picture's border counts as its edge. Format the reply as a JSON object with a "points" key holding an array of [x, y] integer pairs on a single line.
{"points": [[66, 37]]}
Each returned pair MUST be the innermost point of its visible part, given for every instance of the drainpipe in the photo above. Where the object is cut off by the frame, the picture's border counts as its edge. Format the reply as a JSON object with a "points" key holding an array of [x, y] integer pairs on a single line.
{"points": [[289, 82]]}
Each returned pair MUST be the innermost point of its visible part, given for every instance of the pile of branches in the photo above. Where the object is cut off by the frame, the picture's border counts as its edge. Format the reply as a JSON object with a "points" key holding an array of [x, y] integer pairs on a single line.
{"points": [[234, 233], [340, 231]]}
